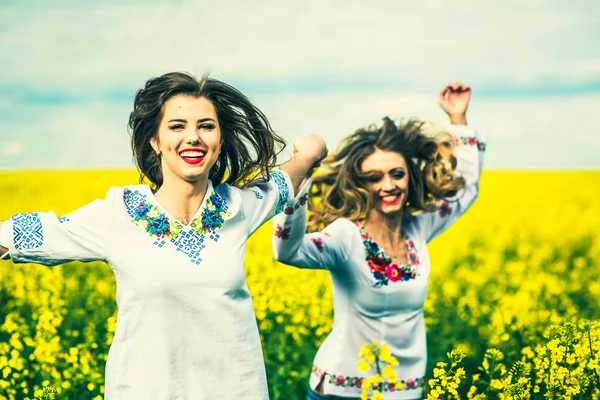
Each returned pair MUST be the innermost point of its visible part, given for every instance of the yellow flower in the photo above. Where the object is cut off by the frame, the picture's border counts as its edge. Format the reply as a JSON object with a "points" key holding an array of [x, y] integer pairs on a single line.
{"points": [[390, 374], [363, 365], [365, 350]]}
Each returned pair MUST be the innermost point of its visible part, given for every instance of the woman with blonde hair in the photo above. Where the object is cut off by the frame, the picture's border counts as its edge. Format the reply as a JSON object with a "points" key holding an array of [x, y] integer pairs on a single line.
{"points": [[382, 198], [185, 327]]}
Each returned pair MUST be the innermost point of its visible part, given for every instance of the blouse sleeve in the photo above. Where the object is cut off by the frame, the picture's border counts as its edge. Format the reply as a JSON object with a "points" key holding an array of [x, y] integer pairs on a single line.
{"points": [[469, 152], [44, 238], [262, 201], [327, 249]]}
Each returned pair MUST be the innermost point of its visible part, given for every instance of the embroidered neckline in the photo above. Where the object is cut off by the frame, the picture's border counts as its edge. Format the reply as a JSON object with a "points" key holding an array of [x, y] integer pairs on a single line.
{"points": [[146, 212], [160, 224], [381, 265]]}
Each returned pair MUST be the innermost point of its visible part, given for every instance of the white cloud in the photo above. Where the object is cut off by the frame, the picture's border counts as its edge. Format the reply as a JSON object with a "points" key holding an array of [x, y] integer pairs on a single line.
{"points": [[11, 149], [421, 43]]}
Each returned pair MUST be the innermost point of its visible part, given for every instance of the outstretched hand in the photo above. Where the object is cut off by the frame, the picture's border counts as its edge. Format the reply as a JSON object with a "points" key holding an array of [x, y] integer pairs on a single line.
{"points": [[454, 100]]}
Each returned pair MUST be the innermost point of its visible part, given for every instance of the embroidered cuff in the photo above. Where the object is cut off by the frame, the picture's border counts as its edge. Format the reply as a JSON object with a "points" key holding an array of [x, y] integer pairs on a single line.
{"points": [[465, 135], [285, 188]]}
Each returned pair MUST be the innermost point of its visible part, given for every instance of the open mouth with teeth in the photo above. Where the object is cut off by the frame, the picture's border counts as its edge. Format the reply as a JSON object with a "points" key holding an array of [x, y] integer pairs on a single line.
{"points": [[192, 156], [390, 200]]}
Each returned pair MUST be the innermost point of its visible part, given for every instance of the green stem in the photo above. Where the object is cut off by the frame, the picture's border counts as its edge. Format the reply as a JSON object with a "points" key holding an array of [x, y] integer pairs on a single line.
{"points": [[379, 372], [589, 332]]}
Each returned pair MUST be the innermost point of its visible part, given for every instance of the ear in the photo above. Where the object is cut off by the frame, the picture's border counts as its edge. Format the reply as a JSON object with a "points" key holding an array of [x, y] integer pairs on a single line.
{"points": [[154, 144]]}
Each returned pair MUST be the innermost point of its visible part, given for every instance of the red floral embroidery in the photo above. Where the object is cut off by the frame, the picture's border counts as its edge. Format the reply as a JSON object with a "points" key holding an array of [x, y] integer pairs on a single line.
{"points": [[319, 243], [301, 201], [377, 264], [381, 265], [357, 381], [318, 372], [282, 233], [471, 141], [445, 209], [393, 272]]}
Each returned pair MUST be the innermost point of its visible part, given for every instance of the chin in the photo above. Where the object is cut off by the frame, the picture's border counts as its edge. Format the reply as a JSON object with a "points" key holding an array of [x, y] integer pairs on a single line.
{"points": [[192, 176], [391, 211]]}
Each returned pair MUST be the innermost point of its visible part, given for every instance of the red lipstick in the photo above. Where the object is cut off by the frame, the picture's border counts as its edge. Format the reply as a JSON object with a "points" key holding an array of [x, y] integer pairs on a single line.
{"points": [[193, 159]]}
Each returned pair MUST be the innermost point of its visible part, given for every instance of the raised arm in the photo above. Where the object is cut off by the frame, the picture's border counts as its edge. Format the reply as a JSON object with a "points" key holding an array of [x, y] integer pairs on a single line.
{"points": [[469, 152], [308, 153], [261, 201]]}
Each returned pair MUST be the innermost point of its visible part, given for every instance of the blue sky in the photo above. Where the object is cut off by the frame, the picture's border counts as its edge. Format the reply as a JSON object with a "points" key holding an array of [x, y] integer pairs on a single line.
{"points": [[69, 71]]}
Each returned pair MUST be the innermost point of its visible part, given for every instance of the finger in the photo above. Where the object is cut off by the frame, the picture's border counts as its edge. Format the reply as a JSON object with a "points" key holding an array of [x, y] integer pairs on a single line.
{"points": [[443, 92], [462, 88], [454, 86]]}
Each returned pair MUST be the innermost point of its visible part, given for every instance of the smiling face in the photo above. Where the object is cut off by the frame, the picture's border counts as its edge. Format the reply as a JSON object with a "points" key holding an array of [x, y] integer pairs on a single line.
{"points": [[386, 176], [188, 139]]}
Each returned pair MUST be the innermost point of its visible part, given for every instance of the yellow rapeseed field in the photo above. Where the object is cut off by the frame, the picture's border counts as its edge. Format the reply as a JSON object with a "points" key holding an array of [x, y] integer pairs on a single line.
{"points": [[512, 313]]}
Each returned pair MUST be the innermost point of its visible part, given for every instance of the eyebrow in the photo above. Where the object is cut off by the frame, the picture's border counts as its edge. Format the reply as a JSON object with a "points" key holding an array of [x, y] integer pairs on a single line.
{"points": [[379, 171], [185, 121]]}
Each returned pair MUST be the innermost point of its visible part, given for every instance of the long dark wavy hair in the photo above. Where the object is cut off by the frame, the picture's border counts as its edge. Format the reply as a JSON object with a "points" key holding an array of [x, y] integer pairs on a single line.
{"points": [[249, 144], [339, 189]]}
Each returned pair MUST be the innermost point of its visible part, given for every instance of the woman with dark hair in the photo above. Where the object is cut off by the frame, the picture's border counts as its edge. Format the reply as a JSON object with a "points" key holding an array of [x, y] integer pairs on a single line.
{"points": [[186, 327], [387, 192]]}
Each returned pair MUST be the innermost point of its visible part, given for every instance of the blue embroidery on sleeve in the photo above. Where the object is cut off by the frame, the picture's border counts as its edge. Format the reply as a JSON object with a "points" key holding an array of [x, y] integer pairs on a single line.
{"points": [[257, 194], [63, 219], [28, 233], [283, 188], [135, 202]]}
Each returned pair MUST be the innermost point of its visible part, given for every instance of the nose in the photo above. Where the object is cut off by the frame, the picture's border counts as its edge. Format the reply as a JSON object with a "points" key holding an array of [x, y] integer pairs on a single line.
{"points": [[387, 184], [192, 135]]}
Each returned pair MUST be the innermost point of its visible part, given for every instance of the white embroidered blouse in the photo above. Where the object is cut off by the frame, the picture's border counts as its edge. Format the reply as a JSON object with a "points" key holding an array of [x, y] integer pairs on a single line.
{"points": [[186, 327], [374, 299]]}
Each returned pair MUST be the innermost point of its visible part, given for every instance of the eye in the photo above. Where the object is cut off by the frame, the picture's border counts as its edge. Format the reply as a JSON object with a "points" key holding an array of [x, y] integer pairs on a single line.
{"points": [[399, 175], [207, 127], [176, 127], [373, 178]]}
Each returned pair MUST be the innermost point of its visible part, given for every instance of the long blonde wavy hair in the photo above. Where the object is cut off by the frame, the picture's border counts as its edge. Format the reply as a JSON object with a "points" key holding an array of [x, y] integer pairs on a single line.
{"points": [[339, 187]]}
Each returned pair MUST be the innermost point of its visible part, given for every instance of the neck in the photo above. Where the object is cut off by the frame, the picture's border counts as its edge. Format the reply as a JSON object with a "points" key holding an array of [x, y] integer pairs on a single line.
{"points": [[182, 198], [385, 227]]}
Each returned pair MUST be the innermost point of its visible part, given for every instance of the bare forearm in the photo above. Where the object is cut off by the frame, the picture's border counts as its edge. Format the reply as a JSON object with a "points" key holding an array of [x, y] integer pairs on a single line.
{"points": [[458, 119], [308, 153], [297, 168]]}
